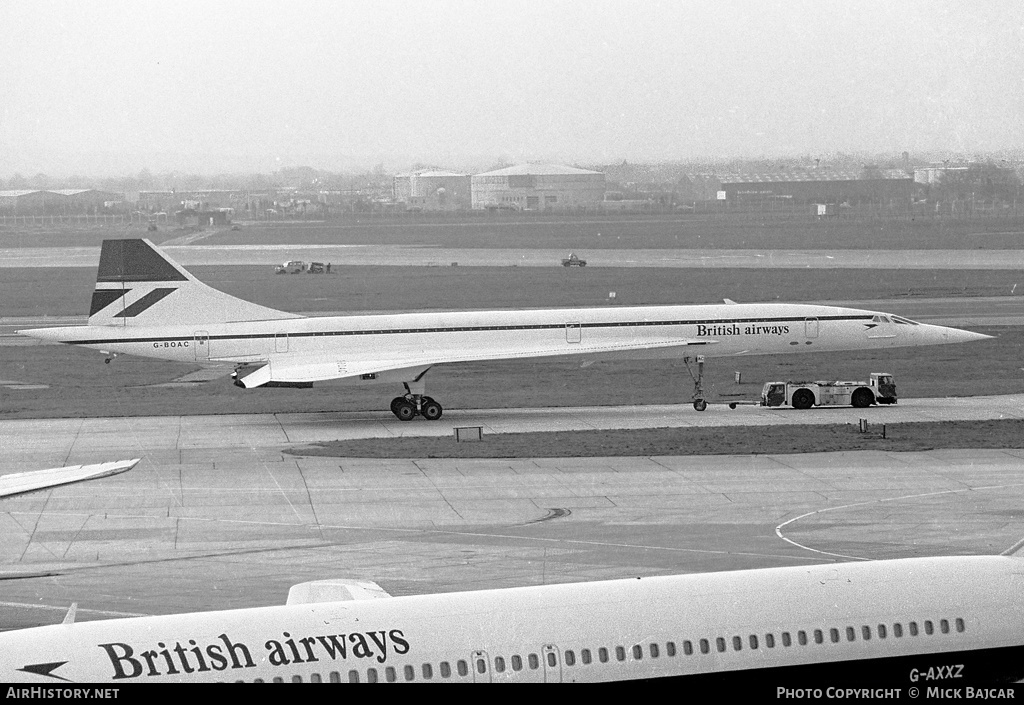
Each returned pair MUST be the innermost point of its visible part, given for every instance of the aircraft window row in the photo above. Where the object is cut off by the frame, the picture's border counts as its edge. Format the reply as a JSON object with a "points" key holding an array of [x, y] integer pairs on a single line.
{"points": [[834, 635], [515, 663]]}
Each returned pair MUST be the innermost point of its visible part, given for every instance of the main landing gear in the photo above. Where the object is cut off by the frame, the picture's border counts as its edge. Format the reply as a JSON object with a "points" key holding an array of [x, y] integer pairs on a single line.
{"points": [[699, 402], [412, 405], [415, 403]]}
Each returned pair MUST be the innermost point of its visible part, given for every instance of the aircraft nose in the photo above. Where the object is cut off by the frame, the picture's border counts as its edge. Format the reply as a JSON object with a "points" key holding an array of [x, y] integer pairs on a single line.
{"points": [[966, 336], [957, 335]]}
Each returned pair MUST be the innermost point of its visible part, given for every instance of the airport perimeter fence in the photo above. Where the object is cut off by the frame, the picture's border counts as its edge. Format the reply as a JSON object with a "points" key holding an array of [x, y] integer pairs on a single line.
{"points": [[82, 220]]}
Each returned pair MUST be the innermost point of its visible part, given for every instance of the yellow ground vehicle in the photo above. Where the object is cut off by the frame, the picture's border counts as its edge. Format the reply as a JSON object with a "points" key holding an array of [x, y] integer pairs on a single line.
{"points": [[879, 389]]}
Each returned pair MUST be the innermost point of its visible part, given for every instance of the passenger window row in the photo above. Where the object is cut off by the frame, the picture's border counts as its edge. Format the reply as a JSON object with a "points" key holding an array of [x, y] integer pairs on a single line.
{"points": [[516, 663], [390, 674], [736, 643]]}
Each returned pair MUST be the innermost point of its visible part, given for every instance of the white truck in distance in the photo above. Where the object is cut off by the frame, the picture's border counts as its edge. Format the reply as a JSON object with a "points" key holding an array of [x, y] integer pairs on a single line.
{"points": [[880, 389], [291, 267]]}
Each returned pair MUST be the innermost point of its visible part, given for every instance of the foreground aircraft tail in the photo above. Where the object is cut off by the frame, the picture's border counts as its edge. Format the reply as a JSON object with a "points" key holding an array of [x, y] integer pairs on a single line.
{"points": [[138, 285]]}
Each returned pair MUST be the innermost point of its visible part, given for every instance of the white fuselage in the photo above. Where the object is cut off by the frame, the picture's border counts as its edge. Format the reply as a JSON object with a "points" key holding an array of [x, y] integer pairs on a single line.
{"points": [[871, 622], [661, 331]]}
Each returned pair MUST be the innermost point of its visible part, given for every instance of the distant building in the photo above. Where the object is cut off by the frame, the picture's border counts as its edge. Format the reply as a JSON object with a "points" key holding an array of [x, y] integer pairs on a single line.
{"points": [[934, 174], [433, 190], [25, 201], [218, 216], [88, 200], [804, 186], [538, 187], [59, 202]]}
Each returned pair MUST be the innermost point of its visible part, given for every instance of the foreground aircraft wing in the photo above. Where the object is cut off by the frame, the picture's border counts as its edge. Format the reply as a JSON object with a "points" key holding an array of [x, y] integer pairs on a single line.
{"points": [[22, 482], [318, 368]]}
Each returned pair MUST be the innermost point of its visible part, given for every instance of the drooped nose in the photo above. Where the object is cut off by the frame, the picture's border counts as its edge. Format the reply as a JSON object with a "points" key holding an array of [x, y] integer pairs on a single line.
{"points": [[944, 334]]}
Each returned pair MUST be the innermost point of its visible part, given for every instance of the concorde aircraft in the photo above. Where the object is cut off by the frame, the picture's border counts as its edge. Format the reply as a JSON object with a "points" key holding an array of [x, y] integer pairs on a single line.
{"points": [[914, 622], [146, 304]]}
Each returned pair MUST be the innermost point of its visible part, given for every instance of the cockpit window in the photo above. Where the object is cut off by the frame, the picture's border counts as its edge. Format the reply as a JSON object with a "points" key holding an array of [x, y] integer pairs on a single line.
{"points": [[899, 320]]}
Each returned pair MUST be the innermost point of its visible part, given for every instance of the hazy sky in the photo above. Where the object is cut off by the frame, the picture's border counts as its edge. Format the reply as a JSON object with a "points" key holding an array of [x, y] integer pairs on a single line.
{"points": [[110, 87]]}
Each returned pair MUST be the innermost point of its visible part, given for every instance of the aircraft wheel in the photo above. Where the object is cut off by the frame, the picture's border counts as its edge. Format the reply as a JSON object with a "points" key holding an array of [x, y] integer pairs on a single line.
{"points": [[405, 411], [700, 405], [430, 409], [394, 404], [732, 405], [862, 398], [803, 399]]}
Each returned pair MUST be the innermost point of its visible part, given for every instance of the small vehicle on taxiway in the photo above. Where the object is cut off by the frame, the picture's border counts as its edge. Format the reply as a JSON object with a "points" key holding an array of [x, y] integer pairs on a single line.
{"points": [[879, 389], [291, 267]]}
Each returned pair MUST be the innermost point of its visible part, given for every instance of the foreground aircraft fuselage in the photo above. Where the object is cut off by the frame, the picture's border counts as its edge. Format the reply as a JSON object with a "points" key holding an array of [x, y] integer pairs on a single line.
{"points": [[145, 304], [901, 622]]}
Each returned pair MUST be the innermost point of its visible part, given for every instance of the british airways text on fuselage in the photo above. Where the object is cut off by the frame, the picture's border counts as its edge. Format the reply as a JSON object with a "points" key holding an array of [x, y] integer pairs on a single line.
{"points": [[223, 653], [725, 330]]}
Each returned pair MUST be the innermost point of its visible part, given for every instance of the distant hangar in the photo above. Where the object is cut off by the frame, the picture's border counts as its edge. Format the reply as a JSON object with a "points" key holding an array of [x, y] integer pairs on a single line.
{"points": [[56, 201], [538, 187], [802, 186]]}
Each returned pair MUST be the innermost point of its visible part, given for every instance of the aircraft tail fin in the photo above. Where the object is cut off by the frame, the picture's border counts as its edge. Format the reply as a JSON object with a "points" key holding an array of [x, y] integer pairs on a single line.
{"points": [[138, 285]]}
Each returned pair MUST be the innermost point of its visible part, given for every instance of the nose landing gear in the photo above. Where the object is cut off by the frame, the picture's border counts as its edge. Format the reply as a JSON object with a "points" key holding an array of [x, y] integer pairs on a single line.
{"points": [[699, 402]]}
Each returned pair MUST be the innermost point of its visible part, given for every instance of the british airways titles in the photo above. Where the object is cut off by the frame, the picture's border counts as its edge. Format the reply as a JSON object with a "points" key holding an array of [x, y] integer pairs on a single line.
{"points": [[224, 653], [733, 329]]}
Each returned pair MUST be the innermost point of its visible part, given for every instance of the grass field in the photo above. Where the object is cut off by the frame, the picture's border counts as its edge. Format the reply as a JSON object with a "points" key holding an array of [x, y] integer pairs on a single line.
{"points": [[52, 292], [727, 231], [751, 440], [766, 231]]}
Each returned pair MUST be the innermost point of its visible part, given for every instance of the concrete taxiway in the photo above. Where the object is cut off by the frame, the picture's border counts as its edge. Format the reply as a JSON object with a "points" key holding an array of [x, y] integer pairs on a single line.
{"points": [[218, 528], [217, 515], [64, 441]]}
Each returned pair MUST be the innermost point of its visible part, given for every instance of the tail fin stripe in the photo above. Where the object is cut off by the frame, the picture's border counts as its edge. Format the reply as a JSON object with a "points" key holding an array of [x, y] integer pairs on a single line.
{"points": [[145, 302], [152, 277], [134, 261], [101, 298]]}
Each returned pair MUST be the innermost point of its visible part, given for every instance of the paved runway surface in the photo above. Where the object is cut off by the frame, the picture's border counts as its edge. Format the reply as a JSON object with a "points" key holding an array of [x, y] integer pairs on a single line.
{"points": [[402, 255], [216, 516], [70, 441]]}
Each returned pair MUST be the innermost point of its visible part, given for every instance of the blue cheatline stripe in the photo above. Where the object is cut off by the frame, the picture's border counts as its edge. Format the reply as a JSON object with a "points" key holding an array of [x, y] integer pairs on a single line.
{"points": [[475, 329], [145, 302]]}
